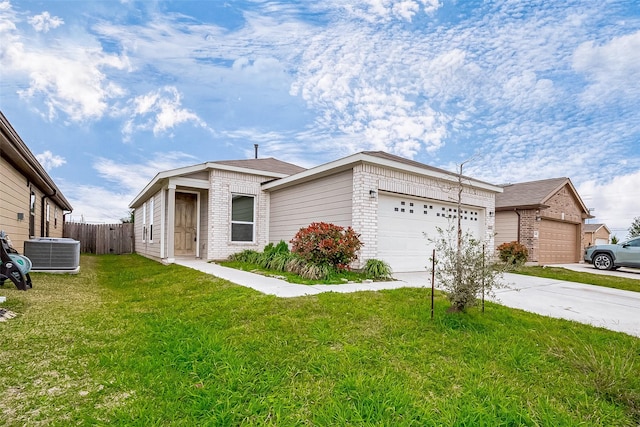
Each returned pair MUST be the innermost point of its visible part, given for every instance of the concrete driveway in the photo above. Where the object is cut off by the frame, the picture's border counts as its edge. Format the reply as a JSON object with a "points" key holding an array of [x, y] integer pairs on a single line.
{"points": [[613, 309], [631, 273]]}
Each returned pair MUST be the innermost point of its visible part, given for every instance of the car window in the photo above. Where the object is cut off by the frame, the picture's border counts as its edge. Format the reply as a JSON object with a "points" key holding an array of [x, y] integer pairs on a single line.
{"points": [[634, 242]]}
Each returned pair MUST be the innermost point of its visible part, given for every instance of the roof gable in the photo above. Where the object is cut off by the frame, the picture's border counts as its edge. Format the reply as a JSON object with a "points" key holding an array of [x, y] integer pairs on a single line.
{"points": [[535, 194], [593, 228]]}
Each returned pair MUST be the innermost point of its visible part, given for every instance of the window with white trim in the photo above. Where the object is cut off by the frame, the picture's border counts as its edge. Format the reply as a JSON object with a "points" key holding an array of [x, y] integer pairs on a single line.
{"points": [[144, 222], [150, 233], [242, 218]]}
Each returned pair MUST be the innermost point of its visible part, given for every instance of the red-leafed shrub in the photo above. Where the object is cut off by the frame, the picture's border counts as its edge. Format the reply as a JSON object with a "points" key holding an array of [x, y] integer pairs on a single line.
{"points": [[513, 252], [322, 243]]}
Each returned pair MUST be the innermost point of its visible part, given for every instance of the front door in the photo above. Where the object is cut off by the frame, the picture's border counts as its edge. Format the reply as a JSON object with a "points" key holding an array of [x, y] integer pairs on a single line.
{"points": [[186, 223]]}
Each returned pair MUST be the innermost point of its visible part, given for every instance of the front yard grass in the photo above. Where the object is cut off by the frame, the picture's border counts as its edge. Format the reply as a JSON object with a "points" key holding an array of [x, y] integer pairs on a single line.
{"points": [[560, 273], [129, 341]]}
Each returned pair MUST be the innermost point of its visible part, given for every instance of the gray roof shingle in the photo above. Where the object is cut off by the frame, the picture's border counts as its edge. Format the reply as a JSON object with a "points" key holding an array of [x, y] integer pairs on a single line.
{"points": [[269, 165], [533, 193]]}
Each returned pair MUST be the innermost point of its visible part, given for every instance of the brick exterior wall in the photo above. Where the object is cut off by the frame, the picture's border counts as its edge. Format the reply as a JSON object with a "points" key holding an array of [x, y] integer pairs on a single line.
{"points": [[223, 185]]}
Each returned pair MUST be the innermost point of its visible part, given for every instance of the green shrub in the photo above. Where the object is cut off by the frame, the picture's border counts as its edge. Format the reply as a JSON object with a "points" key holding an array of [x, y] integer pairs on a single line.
{"points": [[377, 269], [513, 253], [327, 244], [279, 261], [249, 256]]}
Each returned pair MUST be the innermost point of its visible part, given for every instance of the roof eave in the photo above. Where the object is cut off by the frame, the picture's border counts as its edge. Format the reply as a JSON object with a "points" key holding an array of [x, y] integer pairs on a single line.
{"points": [[158, 181], [348, 162], [18, 151]]}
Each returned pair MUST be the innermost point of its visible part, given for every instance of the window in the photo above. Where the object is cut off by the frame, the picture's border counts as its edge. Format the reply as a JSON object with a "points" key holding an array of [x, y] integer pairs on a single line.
{"points": [[144, 222], [242, 218], [32, 214], [150, 233], [47, 210]]}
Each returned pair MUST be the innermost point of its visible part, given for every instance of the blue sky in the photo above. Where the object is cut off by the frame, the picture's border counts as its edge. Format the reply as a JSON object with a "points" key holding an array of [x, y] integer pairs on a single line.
{"points": [[108, 93]]}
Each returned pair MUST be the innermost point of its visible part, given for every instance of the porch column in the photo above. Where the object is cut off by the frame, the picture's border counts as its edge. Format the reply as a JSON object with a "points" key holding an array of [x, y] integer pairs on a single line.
{"points": [[171, 223]]}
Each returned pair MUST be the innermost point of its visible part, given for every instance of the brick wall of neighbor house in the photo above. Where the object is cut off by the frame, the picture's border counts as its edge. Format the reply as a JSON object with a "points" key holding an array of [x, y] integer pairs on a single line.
{"points": [[529, 230], [591, 239], [563, 206], [371, 177], [223, 184]]}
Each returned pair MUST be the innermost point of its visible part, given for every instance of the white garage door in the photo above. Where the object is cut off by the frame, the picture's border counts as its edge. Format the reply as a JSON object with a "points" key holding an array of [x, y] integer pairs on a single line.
{"points": [[405, 225]]}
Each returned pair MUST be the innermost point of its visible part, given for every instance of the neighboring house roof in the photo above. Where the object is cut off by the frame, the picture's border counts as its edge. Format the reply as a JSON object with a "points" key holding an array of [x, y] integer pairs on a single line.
{"points": [[379, 158], [534, 195], [13, 148], [269, 167], [593, 228]]}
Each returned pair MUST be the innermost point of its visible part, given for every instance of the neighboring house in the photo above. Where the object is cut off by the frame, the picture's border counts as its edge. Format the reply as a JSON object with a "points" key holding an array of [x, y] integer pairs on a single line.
{"points": [[31, 205], [215, 209], [596, 234], [546, 216]]}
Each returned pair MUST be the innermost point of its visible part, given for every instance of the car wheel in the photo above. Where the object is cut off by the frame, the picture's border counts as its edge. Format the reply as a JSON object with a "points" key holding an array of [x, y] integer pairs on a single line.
{"points": [[603, 262]]}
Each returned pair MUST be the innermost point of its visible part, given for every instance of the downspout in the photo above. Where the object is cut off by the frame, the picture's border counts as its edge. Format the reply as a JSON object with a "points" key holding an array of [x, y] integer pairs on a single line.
{"points": [[44, 211], [518, 213]]}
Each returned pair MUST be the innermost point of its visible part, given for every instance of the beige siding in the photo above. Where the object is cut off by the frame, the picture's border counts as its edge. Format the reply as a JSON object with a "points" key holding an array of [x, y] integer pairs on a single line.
{"points": [[506, 228], [15, 199], [148, 247], [326, 199]]}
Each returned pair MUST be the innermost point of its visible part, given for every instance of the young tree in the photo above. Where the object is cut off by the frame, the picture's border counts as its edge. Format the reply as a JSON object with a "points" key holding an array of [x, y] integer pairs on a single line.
{"points": [[464, 268], [634, 230]]}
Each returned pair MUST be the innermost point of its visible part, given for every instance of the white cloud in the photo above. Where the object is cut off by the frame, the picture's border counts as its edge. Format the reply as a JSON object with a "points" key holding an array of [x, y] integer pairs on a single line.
{"points": [[133, 177], [615, 202], [109, 203], [44, 22], [611, 68], [386, 10], [159, 111], [49, 161], [67, 76]]}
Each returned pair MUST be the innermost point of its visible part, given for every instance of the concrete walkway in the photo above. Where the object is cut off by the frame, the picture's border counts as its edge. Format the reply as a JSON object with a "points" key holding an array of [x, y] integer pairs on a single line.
{"points": [[613, 309]]}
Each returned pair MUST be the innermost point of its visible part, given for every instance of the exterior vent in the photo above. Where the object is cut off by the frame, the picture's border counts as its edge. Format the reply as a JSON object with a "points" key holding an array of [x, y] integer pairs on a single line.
{"points": [[55, 254]]}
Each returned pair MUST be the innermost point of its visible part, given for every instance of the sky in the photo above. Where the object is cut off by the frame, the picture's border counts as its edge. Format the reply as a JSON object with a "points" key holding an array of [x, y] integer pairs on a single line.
{"points": [[109, 93]]}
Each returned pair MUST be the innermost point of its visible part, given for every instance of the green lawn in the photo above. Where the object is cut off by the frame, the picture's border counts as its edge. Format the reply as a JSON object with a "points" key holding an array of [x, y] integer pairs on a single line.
{"points": [[582, 277], [132, 342]]}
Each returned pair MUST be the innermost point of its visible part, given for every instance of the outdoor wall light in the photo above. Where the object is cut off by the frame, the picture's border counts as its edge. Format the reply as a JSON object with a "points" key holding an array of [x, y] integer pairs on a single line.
{"points": [[20, 216], [491, 214], [372, 194]]}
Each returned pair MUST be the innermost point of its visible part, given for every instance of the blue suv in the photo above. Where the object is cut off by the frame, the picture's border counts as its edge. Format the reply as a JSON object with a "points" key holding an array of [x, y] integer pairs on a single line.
{"points": [[612, 257]]}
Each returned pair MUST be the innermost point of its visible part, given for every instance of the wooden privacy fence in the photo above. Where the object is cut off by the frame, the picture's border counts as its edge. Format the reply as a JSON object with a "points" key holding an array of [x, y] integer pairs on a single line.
{"points": [[102, 238]]}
